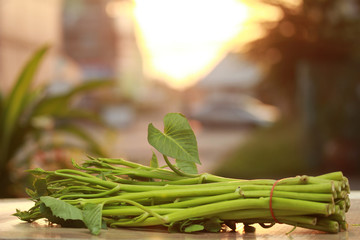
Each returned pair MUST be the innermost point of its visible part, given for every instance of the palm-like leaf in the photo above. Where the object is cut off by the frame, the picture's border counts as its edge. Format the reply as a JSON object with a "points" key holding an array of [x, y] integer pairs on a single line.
{"points": [[81, 134], [16, 102], [59, 105], [24, 105]]}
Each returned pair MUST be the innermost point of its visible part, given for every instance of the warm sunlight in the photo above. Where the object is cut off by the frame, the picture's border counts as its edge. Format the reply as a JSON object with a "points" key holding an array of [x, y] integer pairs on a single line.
{"points": [[182, 39]]}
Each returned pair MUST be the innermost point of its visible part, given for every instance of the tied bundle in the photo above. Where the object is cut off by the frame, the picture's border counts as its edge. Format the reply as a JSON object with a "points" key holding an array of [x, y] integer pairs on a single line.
{"points": [[107, 192]]}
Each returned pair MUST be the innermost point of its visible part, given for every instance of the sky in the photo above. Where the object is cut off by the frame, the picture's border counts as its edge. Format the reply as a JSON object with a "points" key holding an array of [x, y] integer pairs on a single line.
{"points": [[182, 40]]}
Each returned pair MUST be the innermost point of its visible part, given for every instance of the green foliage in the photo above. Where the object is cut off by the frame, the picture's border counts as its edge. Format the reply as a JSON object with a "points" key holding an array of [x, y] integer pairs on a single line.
{"points": [[154, 161], [186, 167], [30, 115], [178, 141], [196, 225], [81, 134], [60, 212], [92, 217], [40, 187], [14, 105], [194, 228], [213, 224], [62, 209], [311, 57], [120, 193], [59, 105], [271, 152], [314, 31]]}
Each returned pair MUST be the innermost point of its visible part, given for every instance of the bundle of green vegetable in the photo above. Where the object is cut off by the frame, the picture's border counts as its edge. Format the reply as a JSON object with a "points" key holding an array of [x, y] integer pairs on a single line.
{"points": [[117, 193]]}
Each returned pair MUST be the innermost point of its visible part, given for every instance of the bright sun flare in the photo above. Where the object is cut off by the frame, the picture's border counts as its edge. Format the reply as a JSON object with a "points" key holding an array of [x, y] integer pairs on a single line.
{"points": [[182, 39]]}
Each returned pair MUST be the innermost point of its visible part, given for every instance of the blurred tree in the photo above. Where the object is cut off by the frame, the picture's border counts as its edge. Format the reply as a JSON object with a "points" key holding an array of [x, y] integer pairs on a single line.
{"points": [[311, 59]]}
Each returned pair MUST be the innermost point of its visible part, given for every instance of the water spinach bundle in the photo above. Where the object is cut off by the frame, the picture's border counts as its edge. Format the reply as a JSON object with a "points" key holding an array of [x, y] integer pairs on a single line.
{"points": [[107, 192]]}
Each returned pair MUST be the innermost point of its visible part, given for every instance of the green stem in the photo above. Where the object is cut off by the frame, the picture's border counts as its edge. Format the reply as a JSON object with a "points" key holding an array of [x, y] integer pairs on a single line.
{"points": [[260, 213], [309, 188], [183, 181], [123, 162], [326, 226], [167, 194], [177, 171], [71, 171], [317, 197], [91, 180], [241, 204], [155, 173], [143, 208], [202, 200], [291, 220], [135, 211], [95, 195], [108, 184], [338, 176], [135, 169]]}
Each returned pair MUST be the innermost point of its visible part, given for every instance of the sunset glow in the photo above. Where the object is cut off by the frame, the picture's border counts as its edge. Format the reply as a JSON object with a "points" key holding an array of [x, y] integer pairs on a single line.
{"points": [[181, 40]]}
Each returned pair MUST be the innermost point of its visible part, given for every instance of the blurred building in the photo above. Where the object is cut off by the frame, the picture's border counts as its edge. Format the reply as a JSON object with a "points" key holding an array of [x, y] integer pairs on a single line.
{"points": [[89, 39], [24, 27]]}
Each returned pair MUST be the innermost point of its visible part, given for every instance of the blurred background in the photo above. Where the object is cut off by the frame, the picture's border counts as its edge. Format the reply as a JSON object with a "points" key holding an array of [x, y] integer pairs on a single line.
{"points": [[271, 88]]}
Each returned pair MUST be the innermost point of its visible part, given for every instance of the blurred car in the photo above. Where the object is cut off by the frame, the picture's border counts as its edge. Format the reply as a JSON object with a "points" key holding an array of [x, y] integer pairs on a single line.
{"points": [[227, 110]]}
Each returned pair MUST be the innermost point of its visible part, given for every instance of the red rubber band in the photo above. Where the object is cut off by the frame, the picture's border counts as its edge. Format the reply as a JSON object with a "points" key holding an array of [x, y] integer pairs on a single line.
{"points": [[270, 201]]}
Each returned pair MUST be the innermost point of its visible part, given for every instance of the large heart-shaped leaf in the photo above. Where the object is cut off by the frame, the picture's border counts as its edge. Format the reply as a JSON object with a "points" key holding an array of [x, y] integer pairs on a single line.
{"points": [[187, 167], [178, 140]]}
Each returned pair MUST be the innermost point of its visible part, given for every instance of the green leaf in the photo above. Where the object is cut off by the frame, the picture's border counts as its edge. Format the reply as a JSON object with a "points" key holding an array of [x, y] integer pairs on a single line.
{"points": [[16, 101], [47, 213], [174, 227], [31, 193], [59, 105], [103, 225], [213, 225], [154, 161], [92, 216], [187, 167], [40, 187], [178, 140], [84, 136], [29, 216], [22, 215], [62, 209], [38, 172], [103, 175], [194, 228], [90, 85]]}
